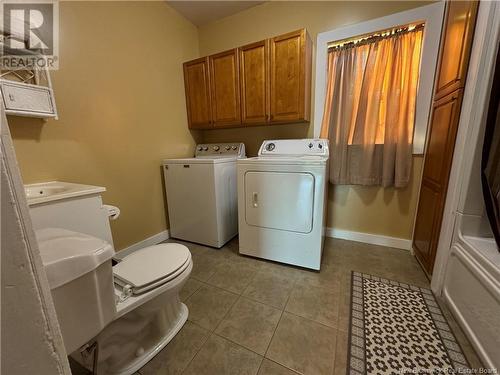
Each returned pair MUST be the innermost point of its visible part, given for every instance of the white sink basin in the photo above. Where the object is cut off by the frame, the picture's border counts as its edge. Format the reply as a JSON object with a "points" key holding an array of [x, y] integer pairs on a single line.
{"points": [[56, 190]]}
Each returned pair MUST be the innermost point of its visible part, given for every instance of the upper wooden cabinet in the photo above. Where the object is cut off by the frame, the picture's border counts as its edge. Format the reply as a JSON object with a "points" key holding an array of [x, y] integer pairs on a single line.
{"points": [[261, 83], [290, 77], [197, 85], [254, 79], [456, 45], [225, 85]]}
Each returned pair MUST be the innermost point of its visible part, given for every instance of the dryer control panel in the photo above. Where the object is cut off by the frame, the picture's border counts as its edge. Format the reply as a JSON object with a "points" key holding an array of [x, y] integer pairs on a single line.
{"points": [[236, 150], [294, 147]]}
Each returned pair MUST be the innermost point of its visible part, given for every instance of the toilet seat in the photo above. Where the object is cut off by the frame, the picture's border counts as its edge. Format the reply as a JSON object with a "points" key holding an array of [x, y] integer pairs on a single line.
{"points": [[152, 266]]}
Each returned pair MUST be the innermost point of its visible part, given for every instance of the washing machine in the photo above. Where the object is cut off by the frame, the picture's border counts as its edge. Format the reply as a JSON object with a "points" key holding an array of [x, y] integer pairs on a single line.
{"points": [[282, 197], [201, 194]]}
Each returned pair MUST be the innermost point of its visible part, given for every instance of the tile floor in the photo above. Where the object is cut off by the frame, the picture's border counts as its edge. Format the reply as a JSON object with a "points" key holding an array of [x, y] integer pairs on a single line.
{"points": [[249, 316]]}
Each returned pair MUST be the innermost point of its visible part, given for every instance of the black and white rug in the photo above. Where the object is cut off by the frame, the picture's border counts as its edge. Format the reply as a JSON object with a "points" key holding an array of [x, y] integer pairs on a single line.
{"points": [[398, 328]]}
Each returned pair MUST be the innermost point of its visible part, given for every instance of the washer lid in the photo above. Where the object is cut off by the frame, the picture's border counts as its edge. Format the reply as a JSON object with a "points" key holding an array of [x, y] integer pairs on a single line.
{"points": [[67, 255], [150, 264]]}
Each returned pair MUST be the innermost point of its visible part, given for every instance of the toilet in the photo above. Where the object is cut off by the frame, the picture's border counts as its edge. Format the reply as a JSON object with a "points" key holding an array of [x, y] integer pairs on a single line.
{"points": [[127, 312]]}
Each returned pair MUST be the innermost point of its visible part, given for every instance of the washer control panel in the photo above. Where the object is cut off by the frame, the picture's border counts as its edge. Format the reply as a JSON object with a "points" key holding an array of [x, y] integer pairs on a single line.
{"points": [[220, 149], [294, 147]]}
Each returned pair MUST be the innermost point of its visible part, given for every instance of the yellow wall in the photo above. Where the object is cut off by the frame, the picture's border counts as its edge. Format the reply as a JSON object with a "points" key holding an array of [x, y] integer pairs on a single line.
{"points": [[120, 95], [388, 212]]}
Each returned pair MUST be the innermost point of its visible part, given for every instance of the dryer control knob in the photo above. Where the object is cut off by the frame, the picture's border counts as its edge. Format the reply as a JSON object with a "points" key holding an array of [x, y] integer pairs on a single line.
{"points": [[227, 148], [216, 148], [235, 147], [320, 146], [200, 148], [310, 145], [270, 146], [205, 148]]}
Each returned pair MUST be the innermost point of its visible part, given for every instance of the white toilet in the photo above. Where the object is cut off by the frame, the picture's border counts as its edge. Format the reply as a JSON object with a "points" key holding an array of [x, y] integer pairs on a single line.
{"points": [[132, 310]]}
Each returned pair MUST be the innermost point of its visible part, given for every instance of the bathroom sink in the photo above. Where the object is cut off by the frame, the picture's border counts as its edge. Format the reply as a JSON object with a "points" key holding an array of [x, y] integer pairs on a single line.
{"points": [[44, 191], [56, 190]]}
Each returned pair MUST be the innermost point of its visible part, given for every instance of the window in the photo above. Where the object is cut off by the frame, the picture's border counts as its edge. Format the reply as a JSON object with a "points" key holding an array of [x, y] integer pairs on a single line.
{"points": [[432, 16]]}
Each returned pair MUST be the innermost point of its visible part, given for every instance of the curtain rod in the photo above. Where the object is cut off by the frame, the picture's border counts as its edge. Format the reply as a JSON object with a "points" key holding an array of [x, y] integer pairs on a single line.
{"points": [[375, 37]]}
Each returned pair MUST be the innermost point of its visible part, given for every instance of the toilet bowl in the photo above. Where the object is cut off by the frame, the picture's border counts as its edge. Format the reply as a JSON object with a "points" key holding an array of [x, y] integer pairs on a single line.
{"points": [[131, 310]]}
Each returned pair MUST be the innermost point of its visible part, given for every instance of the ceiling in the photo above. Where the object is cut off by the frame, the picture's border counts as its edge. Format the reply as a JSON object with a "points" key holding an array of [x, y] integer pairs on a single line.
{"points": [[203, 12]]}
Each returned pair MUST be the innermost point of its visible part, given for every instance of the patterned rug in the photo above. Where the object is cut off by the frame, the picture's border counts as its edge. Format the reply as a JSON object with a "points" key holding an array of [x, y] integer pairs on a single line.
{"points": [[398, 328]]}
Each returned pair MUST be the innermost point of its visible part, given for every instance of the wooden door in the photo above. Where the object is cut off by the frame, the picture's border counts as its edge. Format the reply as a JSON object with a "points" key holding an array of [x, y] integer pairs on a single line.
{"points": [[439, 155], [456, 44], [460, 19], [254, 80], [289, 77], [197, 90], [225, 84]]}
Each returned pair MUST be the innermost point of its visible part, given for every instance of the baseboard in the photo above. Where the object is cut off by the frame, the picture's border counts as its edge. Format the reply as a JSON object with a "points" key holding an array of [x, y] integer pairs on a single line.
{"points": [[374, 239], [153, 240]]}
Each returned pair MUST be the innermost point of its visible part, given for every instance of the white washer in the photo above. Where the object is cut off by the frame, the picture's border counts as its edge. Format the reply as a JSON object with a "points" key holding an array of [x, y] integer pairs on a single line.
{"points": [[201, 194], [281, 201]]}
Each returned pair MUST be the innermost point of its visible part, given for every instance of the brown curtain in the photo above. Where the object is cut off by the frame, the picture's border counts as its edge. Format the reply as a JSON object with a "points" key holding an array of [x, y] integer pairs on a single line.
{"points": [[369, 110]]}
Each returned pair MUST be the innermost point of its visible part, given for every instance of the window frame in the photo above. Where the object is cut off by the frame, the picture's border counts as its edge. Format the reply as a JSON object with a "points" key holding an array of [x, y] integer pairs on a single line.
{"points": [[432, 15]]}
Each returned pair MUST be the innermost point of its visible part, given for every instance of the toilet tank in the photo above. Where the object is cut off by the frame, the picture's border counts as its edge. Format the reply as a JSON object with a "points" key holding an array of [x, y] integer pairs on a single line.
{"points": [[76, 207], [80, 275]]}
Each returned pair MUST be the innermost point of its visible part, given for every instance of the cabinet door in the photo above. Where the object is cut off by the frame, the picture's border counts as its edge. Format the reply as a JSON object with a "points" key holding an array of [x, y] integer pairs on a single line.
{"points": [[456, 44], [439, 154], [197, 88], [224, 79], [254, 79], [290, 77]]}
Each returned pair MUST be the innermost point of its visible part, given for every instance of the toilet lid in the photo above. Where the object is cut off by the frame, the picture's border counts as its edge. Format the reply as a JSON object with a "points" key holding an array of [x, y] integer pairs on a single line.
{"points": [[151, 264]]}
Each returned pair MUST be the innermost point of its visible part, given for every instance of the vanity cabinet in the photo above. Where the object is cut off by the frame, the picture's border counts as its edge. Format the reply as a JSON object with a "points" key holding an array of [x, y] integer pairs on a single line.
{"points": [[262, 83], [225, 89], [197, 87]]}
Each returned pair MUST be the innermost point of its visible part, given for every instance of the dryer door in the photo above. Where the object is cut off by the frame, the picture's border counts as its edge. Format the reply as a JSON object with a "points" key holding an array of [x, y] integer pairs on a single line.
{"points": [[280, 200]]}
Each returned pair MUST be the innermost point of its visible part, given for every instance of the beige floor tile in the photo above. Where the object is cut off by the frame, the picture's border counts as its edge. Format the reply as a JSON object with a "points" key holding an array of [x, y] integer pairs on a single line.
{"points": [[270, 289], [208, 305], [233, 277], [219, 356], [328, 277], [344, 311], [303, 345], [250, 324], [286, 272], [247, 261], [341, 353], [318, 304], [195, 249], [205, 266], [175, 357], [272, 368], [191, 286]]}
